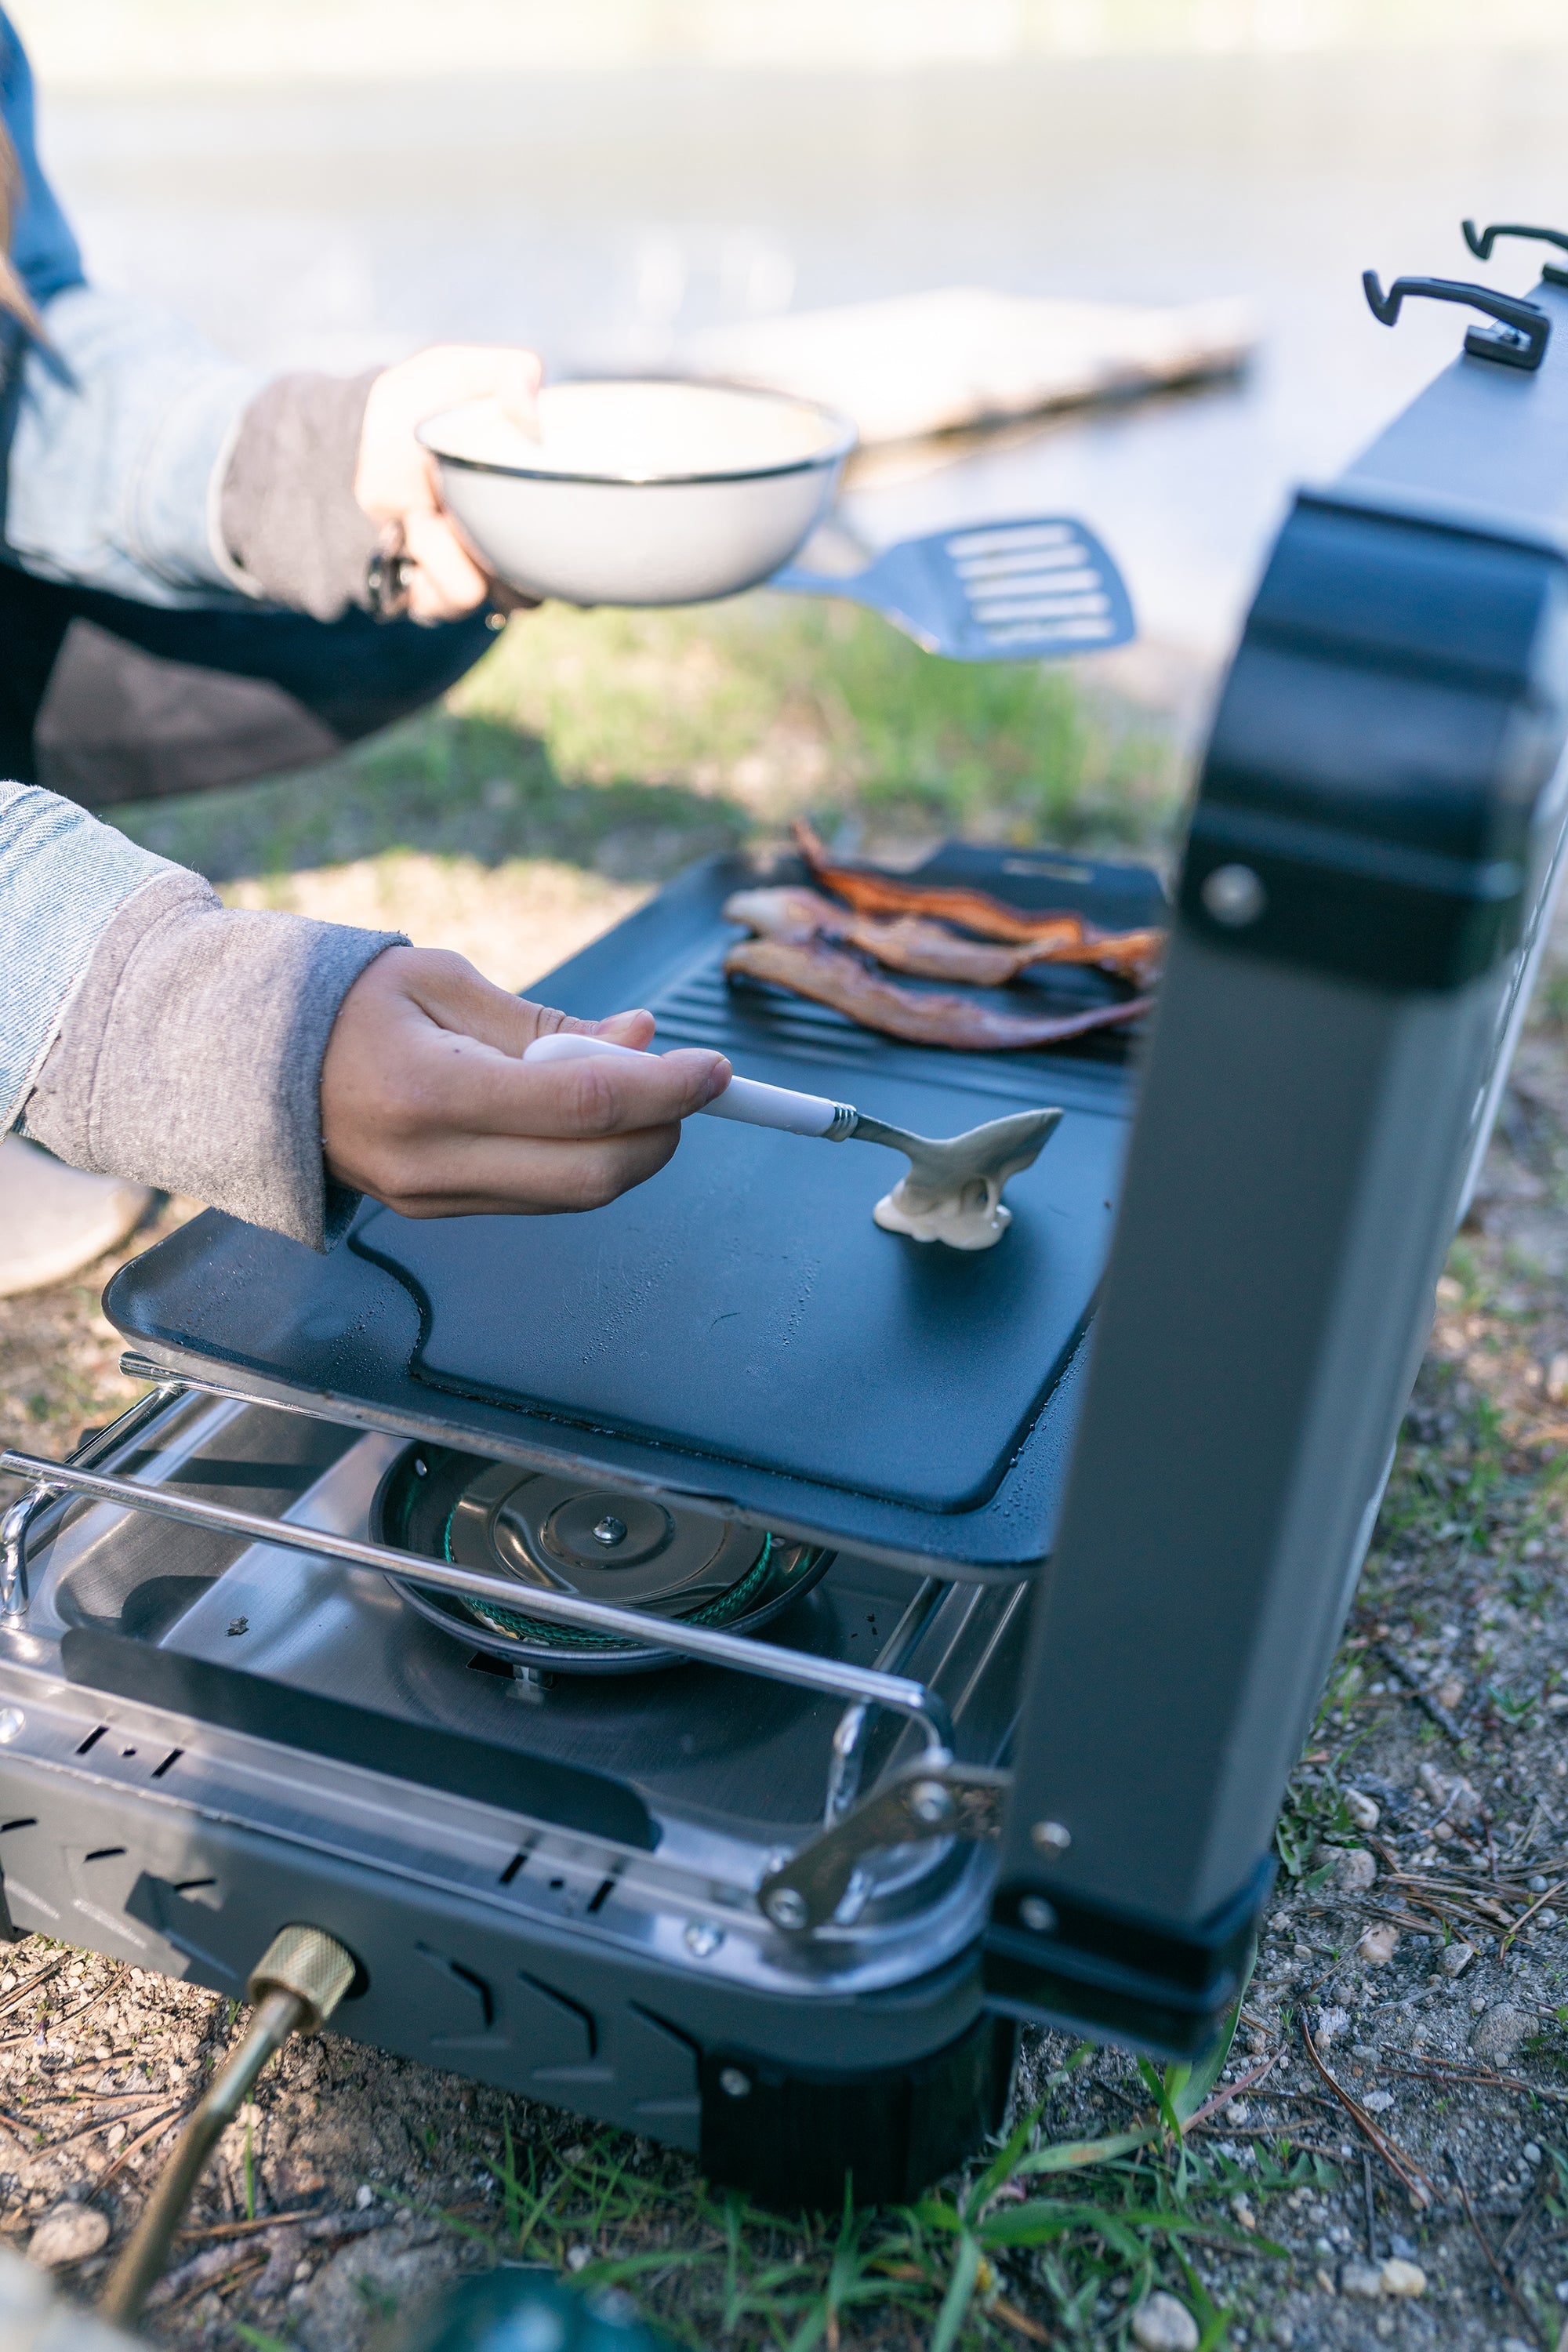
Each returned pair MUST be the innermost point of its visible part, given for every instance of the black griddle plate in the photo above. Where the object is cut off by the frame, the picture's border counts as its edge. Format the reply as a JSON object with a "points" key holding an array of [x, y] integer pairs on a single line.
{"points": [[736, 1330]]}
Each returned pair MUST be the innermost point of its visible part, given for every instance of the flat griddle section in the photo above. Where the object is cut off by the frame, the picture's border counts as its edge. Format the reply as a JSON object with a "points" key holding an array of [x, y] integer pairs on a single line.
{"points": [[863, 1338], [743, 1305]]}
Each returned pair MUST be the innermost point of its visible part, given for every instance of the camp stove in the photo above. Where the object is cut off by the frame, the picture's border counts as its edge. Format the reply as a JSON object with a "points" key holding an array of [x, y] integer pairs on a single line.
{"points": [[719, 1666]]}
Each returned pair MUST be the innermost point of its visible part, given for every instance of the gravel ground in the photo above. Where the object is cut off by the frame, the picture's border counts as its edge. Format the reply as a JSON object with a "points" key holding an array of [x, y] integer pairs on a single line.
{"points": [[1419, 1936]]}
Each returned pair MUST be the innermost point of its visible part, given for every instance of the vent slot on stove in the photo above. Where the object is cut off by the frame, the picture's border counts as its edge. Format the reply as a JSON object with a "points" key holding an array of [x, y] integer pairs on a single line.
{"points": [[92, 1739], [172, 1758]]}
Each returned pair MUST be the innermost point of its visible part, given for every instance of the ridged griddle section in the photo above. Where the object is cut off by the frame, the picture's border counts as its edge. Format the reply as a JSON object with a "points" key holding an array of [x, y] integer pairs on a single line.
{"points": [[743, 1019]]}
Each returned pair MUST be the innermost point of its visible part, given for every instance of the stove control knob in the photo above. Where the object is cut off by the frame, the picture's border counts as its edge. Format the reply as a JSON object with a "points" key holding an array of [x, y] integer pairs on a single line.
{"points": [[610, 1531]]}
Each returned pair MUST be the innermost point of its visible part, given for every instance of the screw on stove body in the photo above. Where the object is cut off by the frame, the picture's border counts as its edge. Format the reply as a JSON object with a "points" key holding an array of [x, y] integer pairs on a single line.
{"points": [[703, 1940], [239, 1625], [1234, 896], [1051, 1837], [736, 2084], [610, 1531], [786, 1908], [1037, 1913], [931, 1803], [12, 1721]]}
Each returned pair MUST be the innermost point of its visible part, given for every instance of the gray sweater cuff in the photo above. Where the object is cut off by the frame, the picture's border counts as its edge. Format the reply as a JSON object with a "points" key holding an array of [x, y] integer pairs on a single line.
{"points": [[287, 514], [190, 1057]]}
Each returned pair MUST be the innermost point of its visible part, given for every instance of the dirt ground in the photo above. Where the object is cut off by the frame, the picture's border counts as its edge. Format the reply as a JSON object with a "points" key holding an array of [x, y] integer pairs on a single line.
{"points": [[1402, 2063]]}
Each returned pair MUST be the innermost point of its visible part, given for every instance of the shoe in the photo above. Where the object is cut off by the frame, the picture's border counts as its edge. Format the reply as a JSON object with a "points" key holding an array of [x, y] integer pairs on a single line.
{"points": [[54, 1220]]}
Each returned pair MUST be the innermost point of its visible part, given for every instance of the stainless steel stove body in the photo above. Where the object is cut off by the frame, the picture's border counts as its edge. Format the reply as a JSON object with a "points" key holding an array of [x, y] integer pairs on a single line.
{"points": [[550, 1882], [1018, 1751]]}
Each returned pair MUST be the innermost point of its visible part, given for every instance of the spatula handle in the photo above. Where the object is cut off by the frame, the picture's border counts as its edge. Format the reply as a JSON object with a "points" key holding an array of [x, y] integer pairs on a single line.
{"points": [[743, 1098]]}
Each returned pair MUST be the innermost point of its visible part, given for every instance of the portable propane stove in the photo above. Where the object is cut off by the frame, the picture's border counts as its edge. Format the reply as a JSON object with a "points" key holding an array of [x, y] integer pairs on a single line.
{"points": [[574, 1850], [624, 1635]]}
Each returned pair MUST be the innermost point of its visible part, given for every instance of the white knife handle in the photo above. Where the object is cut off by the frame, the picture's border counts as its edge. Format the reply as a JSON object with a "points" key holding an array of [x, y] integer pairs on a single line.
{"points": [[743, 1098]]}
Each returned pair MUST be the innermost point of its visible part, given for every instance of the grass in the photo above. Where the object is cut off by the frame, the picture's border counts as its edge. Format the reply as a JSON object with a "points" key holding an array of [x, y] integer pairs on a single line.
{"points": [[997, 2258], [627, 744]]}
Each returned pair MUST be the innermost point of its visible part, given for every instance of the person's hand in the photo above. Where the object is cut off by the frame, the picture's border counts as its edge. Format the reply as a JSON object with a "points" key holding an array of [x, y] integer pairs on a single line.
{"points": [[428, 1105], [396, 482]]}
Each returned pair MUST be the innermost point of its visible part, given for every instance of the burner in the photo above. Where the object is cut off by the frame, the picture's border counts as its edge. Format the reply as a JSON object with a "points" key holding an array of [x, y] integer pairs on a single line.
{"points": [[557, 1535]]}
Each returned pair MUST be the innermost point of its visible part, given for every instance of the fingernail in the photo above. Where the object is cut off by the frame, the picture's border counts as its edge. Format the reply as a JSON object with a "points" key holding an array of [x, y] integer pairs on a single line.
{"points": [[719, 1078]]}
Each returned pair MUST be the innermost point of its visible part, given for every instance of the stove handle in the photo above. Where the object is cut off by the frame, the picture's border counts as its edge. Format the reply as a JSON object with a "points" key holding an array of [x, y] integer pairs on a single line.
{"points": [[1481, 241], [1518, 340]]}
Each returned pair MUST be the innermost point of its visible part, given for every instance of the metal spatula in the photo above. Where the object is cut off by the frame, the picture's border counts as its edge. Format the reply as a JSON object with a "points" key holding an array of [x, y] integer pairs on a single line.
{"points": [[1001, 592]]}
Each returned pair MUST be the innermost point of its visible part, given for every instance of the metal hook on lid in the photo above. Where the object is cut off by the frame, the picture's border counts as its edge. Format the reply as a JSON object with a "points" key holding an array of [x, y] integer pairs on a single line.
{"points": [[1518, 340], [1481, 241]]}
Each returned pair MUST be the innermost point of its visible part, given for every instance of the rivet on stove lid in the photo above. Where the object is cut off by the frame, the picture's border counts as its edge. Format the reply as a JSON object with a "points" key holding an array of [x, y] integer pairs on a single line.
{"points": [[1234, 896], [1037, 1913], [1051, 1837], [610, 1531], [421, 1469], [703, 1940], [12, 1721], [737, 2085]]}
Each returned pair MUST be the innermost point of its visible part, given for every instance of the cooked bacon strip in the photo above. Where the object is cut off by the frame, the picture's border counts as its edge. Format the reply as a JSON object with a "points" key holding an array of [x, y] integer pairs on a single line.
{"points": [[927, 951], [1056, 939], [829, 976]]}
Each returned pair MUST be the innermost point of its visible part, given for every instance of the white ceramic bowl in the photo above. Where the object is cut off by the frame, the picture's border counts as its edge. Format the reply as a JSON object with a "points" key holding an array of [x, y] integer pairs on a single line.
{"points": [[639, 491]]}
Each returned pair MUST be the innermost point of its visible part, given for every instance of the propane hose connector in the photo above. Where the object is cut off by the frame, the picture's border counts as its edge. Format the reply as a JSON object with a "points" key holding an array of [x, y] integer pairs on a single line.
{"points": [[310, 1964], [295, 1986]]}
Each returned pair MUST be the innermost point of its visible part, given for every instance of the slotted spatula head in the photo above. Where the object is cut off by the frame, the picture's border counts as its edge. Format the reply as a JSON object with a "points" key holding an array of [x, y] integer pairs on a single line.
{"points": [[1016, 590]]}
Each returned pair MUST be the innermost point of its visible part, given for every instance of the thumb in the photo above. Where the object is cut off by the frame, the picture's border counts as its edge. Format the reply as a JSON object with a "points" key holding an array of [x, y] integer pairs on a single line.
{"points": [[517, 390]]}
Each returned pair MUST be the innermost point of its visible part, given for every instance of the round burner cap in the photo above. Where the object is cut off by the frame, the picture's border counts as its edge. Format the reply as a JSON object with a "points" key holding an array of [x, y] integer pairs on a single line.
{"points": [[549, 1531], [604, 1530]]}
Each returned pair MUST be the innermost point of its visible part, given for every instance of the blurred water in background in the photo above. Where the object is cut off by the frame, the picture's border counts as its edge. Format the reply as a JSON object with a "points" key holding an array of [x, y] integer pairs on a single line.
{"points": [[600, 215]]}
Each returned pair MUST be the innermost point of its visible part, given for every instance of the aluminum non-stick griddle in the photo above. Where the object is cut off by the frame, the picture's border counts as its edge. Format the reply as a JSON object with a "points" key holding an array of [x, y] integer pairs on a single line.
{"points": [[736, 1329]]}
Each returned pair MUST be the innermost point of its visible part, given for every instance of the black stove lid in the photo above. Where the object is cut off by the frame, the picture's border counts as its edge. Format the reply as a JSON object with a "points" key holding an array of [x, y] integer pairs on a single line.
{"points": [[736, 1330]]}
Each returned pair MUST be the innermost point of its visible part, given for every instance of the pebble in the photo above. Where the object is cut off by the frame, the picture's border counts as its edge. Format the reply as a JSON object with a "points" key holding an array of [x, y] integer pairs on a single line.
{"points": [[1363, 1810], [1456, 1958], [1401, 2276], [1329, 2024], [1498, 2031], [69, 2233], [1455, 1796], [1357, 1870], [1161, 2324], [1531, 2152], [1378, 1946], [1377, 2103], [1361, 2279], [579, 2257]]}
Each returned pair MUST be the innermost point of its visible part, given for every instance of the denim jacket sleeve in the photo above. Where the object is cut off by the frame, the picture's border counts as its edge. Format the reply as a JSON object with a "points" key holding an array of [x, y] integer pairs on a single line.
{"points": [[125, 425], [42, 248], [120, 427]]}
